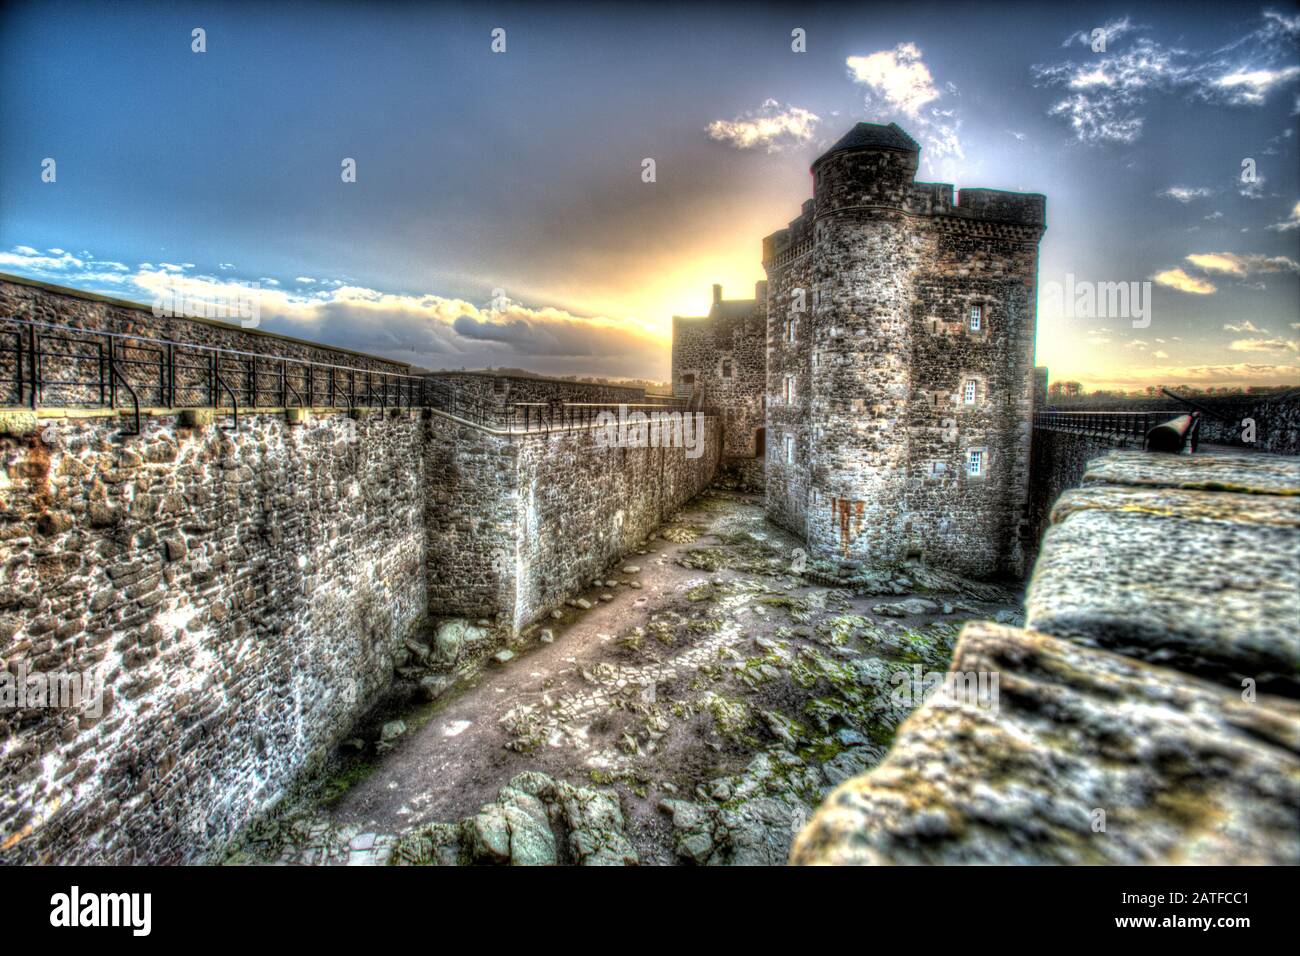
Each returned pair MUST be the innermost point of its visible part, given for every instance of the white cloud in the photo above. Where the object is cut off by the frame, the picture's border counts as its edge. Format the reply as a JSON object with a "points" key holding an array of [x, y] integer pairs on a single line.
{"points": [[1262, 345], [900, 86], [1291, 222], [772, 127], [1106, 94], [1234, 264], [1113, 30], [305, 280], [1251, 87], [1244, 326], [1180, 280], [1186, 194], [898, 76]]}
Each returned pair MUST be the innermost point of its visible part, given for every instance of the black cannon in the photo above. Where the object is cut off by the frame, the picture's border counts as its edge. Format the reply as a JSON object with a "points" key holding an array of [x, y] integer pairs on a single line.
{"points": [[1172, 436]]}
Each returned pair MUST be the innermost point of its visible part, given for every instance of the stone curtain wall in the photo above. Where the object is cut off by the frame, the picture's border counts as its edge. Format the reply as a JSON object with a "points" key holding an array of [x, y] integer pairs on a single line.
{"points": [[471, 507], [516, 388], [1058, 460], [582, 506], [244, 594], [1148, 711], [518, 522]]}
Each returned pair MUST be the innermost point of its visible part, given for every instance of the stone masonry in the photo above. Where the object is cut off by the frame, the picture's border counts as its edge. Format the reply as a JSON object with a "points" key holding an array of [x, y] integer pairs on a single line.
{"points": [[243, 596], [720, 360], [240, 594]]}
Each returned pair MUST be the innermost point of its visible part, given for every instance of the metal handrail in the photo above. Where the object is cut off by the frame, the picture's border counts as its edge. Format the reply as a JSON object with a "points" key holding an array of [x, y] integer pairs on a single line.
{"points": [[194, 375]]}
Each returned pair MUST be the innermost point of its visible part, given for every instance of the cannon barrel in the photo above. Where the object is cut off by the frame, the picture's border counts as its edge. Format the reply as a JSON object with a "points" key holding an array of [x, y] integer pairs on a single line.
{"points": [[1172, 435]]}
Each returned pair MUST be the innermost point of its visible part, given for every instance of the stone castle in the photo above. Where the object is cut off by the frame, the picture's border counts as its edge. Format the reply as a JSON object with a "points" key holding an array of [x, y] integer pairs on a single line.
{"points": [[880, 385]]}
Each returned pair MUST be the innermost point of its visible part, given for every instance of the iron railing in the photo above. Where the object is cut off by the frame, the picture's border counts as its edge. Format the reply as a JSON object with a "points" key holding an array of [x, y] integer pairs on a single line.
{"points": [[1133, 425], [46, 365], [52, 365]]}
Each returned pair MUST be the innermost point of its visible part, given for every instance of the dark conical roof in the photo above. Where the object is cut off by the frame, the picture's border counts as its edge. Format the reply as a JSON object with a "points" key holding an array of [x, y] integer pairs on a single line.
{"points": [[873, 136]]}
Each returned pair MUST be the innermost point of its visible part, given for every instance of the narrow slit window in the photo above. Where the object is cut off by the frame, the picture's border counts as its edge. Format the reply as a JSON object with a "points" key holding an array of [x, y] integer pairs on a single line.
{"points": [[789, 449]]}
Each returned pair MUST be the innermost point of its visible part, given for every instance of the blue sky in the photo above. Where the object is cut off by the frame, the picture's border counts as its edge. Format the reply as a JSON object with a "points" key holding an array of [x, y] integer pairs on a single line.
{"points": [[499, 215]]}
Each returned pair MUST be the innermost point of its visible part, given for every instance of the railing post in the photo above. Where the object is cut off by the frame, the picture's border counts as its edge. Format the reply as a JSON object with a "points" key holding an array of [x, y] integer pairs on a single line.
{"points": [[34, 343], [171, 375]]}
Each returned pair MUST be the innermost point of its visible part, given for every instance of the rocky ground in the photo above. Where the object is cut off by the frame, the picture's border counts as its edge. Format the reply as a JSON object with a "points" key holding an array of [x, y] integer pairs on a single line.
{"points": [[694, 705]]}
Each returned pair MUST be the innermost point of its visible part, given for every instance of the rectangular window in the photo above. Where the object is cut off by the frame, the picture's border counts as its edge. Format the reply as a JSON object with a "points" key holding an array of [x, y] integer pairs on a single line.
{"points": [[975, 465], [688, 378], [789, 449], [726, 368], [789, 390], [969, 395], [791, 325], [976, 317]]}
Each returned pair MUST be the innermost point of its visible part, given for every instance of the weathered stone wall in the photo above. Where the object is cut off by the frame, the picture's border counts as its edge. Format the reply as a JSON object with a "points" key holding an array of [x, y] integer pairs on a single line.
{"points": [[582, 506], [242, 594], [471, 505], [720, 361], [788, 260], [1058, 460], [1135, 721], [506, 389]]}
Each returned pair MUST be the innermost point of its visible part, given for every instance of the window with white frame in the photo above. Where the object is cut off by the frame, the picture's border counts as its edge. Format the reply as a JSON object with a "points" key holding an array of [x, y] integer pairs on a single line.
{"points": [[968, 393], [975, 464], [789, 449], [976, 317]]}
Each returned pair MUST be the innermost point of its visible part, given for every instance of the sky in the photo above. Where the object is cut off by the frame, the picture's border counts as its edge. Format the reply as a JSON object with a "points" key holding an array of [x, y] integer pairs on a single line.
{"points": [[500, 214]]}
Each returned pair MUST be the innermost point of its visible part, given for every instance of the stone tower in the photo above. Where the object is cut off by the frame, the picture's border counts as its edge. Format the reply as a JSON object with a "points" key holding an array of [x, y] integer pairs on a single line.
{"points": [[900, 362]]}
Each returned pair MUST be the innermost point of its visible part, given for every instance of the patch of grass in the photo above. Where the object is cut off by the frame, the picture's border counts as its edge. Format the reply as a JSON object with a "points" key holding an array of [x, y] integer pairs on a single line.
{"points": [[345, 780]]}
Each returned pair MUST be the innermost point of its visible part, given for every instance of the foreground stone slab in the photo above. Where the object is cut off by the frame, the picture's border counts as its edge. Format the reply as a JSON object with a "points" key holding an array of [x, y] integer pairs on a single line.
{"points": [[1245, 473], [1178, 769], [1157, 567]]}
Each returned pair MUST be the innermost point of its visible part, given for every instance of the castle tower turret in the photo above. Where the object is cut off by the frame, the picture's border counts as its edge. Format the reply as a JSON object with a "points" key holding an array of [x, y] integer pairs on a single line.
{"points": [[900, 377], [860, 376]]}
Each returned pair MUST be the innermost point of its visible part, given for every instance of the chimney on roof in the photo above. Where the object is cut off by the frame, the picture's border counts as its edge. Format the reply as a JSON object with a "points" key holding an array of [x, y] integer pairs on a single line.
{"points": [[717, 294]]}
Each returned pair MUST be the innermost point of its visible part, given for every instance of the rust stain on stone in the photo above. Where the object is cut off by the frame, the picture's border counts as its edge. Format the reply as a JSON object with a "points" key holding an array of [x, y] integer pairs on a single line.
{"points": [[846, 517]]}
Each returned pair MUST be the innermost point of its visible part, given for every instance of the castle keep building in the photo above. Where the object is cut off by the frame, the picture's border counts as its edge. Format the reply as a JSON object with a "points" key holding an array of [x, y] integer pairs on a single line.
{"points": [[899, 373], [719, 361], [900, 362]]}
